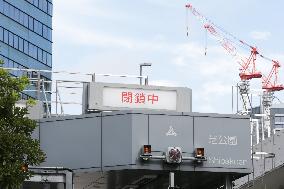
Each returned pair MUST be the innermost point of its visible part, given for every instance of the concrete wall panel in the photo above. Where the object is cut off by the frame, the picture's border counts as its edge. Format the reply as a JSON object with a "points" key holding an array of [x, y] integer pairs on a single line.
{"points": [[74, 143]]}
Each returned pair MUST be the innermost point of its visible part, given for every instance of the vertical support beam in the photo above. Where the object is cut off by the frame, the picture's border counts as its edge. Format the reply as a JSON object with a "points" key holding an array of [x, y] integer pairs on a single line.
{"points": [[228, 182], [237, 97], [56, 100], [232, 99], [60, 186], [172, 180], [257, 133], [147, 80], [69, 180], [46, 186], [38, 86], [94, 77], [140, 74]]}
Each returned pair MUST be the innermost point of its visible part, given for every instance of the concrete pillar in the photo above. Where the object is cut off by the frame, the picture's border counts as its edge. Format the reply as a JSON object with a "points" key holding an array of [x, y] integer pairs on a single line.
{"points": [[60, 186], [172, 180], [228, 182], [46, 186]]}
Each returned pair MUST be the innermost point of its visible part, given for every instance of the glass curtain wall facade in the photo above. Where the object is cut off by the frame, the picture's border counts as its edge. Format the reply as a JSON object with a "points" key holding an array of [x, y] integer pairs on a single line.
{"points": [[26, 37]]}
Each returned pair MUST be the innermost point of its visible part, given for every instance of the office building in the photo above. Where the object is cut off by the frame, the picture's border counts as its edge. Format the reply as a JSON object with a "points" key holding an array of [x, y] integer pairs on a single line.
{"points": [[26, 38]]}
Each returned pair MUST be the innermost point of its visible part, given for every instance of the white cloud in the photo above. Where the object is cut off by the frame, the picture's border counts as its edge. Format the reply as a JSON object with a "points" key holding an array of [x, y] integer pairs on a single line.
{"points": [[84, 9], [212, 96], [66, 32], [89, 37], [218, 88], [164, 83], [163, 3], [260, 35], [189, 50], [179, 61]]}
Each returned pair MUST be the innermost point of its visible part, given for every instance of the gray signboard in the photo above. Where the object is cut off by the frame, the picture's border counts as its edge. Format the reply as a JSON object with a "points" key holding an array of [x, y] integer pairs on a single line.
{"points": [[226, 140], [113, 96]]}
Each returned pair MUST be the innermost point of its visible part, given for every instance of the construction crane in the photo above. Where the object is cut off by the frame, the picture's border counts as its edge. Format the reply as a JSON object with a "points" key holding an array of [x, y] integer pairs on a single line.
{"points": [[270, 85], [248, 69]]}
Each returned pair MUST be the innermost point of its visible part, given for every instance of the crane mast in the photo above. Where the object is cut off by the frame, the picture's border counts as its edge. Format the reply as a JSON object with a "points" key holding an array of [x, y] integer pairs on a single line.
{"points": [[270, 85]]}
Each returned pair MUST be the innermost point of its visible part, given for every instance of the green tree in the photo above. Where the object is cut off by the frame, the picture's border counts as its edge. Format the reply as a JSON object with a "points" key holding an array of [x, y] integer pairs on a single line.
{"points": [[17, 149]]}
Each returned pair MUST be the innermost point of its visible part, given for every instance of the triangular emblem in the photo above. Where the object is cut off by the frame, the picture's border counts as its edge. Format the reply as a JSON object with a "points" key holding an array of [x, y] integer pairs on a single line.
{"points": [[171, 132]]}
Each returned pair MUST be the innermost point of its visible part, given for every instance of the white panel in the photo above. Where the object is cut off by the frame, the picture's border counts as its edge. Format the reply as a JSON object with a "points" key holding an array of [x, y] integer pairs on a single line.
{"points": [[47, 178], [139, 98]]}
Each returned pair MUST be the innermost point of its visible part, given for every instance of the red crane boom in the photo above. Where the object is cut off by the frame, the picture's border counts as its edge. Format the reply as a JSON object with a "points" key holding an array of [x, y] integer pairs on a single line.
{"points": [[267, 82], [248, 69], [248, 65]]}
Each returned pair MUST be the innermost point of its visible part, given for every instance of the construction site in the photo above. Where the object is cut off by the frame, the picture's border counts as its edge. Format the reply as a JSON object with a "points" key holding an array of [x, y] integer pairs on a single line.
{"points": [[142, 136]]}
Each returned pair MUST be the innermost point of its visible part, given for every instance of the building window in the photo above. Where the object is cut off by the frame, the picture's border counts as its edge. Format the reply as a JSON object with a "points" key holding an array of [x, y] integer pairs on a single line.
{"points": [[24, 19], [6, 9], [43, 5], [44, 32], [24, 46], [17, 15], [44, 57], [21, 17], [31, 23], [36, 26], [1, 5], [21, 44], [16, 43], [11, 41], [11, 12], [36, 3], [6, 36], [48, 60], [39, 54], [49, 8], [1, 34]]}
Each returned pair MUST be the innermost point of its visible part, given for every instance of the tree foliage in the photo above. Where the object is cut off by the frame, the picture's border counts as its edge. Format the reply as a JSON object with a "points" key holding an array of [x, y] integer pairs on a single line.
{"points": [[17, 148]]}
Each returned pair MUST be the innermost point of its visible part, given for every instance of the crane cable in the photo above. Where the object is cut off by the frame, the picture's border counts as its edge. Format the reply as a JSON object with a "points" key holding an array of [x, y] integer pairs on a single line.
{"points": [[233, 39]]}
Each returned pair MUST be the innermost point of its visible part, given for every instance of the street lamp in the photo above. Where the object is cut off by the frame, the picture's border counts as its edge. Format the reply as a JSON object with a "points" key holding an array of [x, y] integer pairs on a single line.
{"points": [[140, 66]]}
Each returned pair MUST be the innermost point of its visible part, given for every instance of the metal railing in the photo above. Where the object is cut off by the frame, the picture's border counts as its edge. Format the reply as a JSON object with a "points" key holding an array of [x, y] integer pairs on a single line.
{"points": [[40, 87]]}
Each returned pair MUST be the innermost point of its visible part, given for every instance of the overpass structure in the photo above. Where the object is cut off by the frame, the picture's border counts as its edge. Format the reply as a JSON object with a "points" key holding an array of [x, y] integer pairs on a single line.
{"points": [[268, 162], [133, 136], [107, 149]]}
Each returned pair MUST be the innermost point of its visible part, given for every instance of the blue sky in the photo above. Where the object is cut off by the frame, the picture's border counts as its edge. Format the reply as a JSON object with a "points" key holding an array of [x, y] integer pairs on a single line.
{"points": [[115, 36]]}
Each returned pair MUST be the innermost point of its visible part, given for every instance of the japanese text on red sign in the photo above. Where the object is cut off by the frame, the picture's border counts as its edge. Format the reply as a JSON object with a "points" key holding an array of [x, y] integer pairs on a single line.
{"points": [[138, 98]]}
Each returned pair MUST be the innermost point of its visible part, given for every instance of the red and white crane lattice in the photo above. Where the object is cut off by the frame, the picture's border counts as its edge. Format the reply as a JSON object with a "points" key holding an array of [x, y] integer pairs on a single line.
{"points": [[248, 68]]}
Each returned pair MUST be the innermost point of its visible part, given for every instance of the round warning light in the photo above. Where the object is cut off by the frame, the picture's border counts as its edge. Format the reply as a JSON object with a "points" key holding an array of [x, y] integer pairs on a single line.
{"points": [[175, 155]]}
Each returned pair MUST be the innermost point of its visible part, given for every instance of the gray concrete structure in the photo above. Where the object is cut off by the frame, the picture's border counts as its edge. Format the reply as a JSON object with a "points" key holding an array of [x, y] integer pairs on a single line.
{"points": [[270, 179], [267, 164], [103, 149]]}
